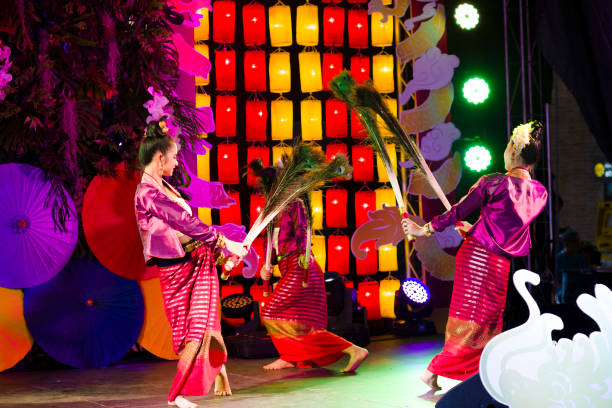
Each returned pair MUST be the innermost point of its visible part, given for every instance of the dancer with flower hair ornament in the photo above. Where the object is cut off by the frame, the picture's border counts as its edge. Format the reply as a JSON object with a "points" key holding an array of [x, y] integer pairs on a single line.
{"points": [[508, 204]]}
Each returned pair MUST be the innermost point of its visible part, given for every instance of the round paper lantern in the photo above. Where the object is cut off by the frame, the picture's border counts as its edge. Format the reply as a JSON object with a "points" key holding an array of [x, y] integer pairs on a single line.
{"points": [[256, 152], [255, 71], [358, 28], [310, 112], [280, 72], [318, 250], [335, 118], [364, 201], [279, 151], [201, 32], [202, 49], [357, 129], [387, 258], [382, 33], [254, 24], [368, 296], [392, 105], [224, 14], [310, 71], [257, 204], [368, 265], [388, 287], [338, 249], [225, 116], [363, 163], [256, 121], [333, 26], [225, 70], [380, 167], [227, 163], [279, 20], [385, 196], [231, 214], [382, 73], [281, 117], [332, 65], [335, 207], [360, 67], [307, 25], [316, 207]]}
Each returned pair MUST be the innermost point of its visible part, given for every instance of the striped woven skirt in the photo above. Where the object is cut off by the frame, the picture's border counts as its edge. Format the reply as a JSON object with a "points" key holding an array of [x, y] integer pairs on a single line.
{"points": [[477, 306], [296, 317], [191, 299]]}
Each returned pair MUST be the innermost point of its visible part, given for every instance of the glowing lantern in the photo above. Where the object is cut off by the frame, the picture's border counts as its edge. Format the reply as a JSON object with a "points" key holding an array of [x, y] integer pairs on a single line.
{"points": [[382, 33], [338, 250], [382, 172], [387, 258], [333, 26], [280, 72], [310, 112], [335, 118], [358, 28], [203, 166], [227, 161], [388, 287], [201, 101], [385, 196], [279, 151], [202, 49], [256, 152], [318, 250], [224, 13], [334, 149], [363, 163], [382, 73], [360, 67], [231, 214], [364, 201], [254, 24], [256, 292], [225, 116], [367, 266], [368, 296], [335, 207], [205, 215], [281, 117], [392, 105], [225, 70], [307, 25], [310, 71], [279, 20], [201, 32], [255, 71], [257, 204], [316, 207], [331, 1], [256, 121], [332, 65], [357, 129]]}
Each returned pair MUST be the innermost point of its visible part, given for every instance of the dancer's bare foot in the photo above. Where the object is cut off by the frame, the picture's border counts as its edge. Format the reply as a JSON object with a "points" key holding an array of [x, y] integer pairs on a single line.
{"points": [[183, 402], [357, 355], [431, 380], [279, 365], [222, 387]]}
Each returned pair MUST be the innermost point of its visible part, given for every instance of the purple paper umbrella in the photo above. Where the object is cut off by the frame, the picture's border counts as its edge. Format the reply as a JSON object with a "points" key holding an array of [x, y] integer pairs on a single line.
{"points": [[32, 249]]}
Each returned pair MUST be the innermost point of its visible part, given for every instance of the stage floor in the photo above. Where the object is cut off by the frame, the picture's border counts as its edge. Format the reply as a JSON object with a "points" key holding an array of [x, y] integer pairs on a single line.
{"points": [[388, 378]]}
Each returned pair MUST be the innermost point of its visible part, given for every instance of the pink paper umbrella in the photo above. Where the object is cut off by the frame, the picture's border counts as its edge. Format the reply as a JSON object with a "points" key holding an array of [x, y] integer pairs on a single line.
{"points": [[32, 249]]}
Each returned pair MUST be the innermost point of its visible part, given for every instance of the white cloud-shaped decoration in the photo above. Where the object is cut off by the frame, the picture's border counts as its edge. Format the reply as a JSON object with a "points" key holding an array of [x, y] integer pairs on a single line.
{"points": [[525, 368], [436, 144], [448, 238]]}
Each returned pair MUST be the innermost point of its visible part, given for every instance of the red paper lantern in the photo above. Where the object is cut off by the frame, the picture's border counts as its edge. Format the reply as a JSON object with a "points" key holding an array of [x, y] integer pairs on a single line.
{"points": [[368, 265], [255, 71], [363, 163], [257, 204], [224, 13], [227, 163], [338, 254], [256, 292], [331, 151], [358, 28], [254, 24], [360, 67], [335, 118], [357, 1], [364, 201], [349, 284], [335, 207], [225, 70], [357, 129], [332, 65], [331, 1], [368, 296], [256, 121], [231, 214], [333, 26], [225, 116], [258, 246], [256, 152]]}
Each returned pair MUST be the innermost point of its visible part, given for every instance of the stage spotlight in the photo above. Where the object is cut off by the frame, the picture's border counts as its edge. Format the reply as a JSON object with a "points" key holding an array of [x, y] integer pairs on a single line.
{"points": [[466, 16], [236, 306], [413, 300], [477, 158], [475, 90]]}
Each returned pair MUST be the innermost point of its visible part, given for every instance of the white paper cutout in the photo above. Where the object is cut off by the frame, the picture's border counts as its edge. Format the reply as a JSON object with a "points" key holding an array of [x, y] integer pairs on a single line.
{"points": [[429, 10], [398, 10], [436, 144], [448, 238]]}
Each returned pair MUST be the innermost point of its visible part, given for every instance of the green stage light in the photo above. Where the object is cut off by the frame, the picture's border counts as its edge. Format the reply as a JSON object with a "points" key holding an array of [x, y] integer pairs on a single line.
{"points": [[477, 158], [466, 16], [475, 90]]}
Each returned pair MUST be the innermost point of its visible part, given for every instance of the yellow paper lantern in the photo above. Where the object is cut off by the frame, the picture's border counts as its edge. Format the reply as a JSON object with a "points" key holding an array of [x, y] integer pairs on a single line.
{"points": [[279, 151], [310, 71], [307, 25], [312, 128], [317, 148], [202, 49], [201, 32], [205, 215], [276, 272], [202, 100], [384, 196], [280, 72], [279, 20], [382, 33], [316, 208], [318, 250], [392, 105], [281, 117], [387, 258], [382, 73], [388, 287], [203, 164], [380, 167]]}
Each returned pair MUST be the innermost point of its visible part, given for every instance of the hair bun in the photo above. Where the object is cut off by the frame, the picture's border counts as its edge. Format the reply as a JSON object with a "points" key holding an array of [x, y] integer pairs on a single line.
{"points": [[536, 130]]}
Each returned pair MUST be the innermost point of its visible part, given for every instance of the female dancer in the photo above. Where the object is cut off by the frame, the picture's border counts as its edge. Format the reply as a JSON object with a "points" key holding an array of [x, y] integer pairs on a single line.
{"points": [[508, 203], [182, 247]]}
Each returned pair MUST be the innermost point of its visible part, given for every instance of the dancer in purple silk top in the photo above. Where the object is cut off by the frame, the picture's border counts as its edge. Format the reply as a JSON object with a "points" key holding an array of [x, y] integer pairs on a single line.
{"points": [[508, 204]]}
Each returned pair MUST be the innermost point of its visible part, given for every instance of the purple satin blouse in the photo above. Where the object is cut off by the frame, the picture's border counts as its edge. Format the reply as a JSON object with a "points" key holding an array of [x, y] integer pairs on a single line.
{"points": [[293, 228], [508, 204]]}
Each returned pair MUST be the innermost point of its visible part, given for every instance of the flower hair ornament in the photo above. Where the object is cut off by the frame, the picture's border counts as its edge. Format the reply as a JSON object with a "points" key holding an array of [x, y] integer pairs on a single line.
{"points": [[521, 136], [163, 126]]}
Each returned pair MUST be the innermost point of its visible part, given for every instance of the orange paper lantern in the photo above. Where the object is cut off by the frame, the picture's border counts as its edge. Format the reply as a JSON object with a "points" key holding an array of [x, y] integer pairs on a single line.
{"points": [[382, 73], [310, 71], [279, 21], [310, 112], [281, 118], [280, 72], [316, 207], [307, 25]]}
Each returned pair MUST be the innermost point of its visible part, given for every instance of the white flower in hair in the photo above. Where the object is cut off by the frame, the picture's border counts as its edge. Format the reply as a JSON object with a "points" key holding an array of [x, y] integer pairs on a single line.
{"points": [[521, 136]]}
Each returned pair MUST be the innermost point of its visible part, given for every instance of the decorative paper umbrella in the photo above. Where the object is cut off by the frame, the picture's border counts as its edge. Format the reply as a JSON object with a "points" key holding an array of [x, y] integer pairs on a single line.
{"points": [[32, 250], [156, 335], [86, 316], [15, 339]]}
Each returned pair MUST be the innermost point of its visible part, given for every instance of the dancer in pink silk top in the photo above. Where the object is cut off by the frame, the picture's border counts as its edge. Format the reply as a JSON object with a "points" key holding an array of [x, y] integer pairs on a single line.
{"points": [[508, 204]]}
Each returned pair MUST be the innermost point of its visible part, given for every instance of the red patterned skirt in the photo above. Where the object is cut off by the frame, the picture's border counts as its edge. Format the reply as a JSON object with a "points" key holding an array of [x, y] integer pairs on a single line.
{"points": [[191, 299], [477, 306], [296, 317]]}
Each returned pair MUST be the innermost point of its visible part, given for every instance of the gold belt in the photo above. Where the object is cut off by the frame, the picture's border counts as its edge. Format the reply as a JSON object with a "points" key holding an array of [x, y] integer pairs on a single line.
{"points": [[191, 245]]}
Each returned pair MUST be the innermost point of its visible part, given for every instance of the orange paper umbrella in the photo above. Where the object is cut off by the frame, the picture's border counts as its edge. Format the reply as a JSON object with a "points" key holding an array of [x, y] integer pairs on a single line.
{"points": [[156, 334], [15, 339]]}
